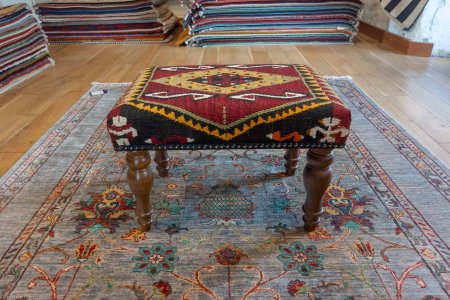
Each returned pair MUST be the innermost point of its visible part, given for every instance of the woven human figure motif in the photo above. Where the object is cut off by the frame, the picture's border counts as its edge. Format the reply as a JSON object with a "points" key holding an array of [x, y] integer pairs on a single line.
{"points": [[229, 106]]}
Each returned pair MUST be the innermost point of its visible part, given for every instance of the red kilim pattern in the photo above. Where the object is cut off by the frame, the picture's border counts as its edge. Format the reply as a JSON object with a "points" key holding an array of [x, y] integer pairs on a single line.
{"points": [[228, 106]]}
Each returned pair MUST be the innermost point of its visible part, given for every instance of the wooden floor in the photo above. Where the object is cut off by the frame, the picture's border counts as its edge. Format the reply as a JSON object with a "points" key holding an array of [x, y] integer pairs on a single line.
{"points": [[415, 91]]}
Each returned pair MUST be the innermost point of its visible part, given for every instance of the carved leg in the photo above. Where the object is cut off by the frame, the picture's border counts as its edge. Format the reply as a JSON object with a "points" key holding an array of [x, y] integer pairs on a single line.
{"points": [[292, 157], [317, 178], [140, 180], [162, 162]]}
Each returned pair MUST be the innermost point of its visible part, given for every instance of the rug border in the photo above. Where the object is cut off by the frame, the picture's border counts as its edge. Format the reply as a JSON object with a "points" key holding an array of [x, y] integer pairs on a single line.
{"points": [[58, 123], [401, 128]]}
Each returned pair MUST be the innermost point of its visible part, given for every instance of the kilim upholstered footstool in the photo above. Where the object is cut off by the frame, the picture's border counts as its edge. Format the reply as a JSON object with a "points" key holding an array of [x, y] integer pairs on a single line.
{"points": [[229, 106]]}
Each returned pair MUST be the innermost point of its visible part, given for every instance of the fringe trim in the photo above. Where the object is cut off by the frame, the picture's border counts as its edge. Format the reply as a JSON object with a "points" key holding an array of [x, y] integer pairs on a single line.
{"points": [[130, 41], [341, 77], [111, 83]]}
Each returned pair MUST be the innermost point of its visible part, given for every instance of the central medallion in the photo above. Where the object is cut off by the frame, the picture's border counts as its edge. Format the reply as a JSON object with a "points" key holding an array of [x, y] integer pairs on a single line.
{"points": [[226, 210], [224, 80]]}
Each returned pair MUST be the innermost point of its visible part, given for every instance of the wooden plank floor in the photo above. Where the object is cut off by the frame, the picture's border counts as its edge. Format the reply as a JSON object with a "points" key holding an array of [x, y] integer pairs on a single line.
{"points": [[415, 91]]}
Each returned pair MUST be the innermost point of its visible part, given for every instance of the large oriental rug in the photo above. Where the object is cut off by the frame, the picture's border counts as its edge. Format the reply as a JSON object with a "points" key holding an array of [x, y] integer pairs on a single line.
{"points": [[227, 222]]}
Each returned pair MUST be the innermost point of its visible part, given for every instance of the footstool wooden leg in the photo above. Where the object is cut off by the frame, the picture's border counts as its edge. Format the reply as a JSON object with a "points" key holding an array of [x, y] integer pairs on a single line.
{"points": [[292, 157], [140, 180], [317, 178], [162, 162]]}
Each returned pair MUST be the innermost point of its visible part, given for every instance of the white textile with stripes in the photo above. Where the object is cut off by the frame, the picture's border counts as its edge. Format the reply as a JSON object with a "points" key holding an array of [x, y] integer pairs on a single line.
{"points": [[405, 12]]}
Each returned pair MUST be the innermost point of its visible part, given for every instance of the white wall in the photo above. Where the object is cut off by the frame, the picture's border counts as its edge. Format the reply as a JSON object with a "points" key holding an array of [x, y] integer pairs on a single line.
{"points": [[433, 25], [374, 14]]}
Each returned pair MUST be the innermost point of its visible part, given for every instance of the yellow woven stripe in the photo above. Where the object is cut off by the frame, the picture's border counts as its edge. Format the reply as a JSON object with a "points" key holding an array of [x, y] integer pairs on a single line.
{"points": [[215, 132], [314, 81], [136, 88]]}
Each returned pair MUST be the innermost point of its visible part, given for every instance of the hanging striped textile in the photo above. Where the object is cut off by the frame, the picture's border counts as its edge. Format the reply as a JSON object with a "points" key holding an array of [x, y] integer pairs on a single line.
{"points": [[405, 12]]}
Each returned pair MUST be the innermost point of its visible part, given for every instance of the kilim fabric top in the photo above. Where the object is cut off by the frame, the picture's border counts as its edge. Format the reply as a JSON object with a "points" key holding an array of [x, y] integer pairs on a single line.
{"points": [[229, 106]]}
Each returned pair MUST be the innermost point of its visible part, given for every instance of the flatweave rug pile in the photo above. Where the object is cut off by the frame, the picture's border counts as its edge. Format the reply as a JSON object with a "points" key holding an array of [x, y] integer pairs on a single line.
{"points": [[102, 21], [227, 224], [23, 46], [214, 23]]}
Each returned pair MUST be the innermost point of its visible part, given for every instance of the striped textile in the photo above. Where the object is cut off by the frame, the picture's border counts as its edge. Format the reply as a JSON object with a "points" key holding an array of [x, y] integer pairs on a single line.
{"points": [[242, 22], [98, 21], [23, 46], [405, 12]]}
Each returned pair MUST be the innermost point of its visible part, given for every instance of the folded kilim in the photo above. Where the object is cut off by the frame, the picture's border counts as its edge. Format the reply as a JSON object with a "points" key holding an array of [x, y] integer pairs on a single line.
{"points": [[106, 21], [213, 23], [23, 46]]}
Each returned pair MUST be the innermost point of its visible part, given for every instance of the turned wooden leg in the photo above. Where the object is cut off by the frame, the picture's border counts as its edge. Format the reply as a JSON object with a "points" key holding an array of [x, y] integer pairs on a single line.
{"points": [[292, 157], [317, 178], [140, 180], [162, 162]]}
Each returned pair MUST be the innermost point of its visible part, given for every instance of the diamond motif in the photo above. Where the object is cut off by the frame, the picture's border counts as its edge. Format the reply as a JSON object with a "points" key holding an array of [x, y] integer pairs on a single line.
{"points": [[219, 81], [225, 79]]}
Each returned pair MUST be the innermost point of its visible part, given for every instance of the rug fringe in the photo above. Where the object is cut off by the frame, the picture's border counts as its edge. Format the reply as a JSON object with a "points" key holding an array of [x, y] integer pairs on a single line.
{"points": [[110, 83], [117, 42], [348, 77], [128, 82]]}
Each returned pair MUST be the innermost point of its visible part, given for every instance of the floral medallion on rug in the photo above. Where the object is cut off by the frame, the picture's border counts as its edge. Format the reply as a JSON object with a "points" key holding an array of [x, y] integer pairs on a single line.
{"points": [[227, 224]]}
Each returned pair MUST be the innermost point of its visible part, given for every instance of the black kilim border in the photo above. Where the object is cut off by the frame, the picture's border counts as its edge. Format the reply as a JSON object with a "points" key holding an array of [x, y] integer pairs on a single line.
{"points": [[227, 146]]}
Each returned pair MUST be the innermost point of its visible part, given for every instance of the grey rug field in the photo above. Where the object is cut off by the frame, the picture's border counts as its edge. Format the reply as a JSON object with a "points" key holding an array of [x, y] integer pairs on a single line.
{"points": [[227, 224]]}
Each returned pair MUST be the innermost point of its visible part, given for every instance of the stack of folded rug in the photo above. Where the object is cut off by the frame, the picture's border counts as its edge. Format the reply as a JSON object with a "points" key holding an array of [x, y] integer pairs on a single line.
{"points": [[23, 46], [218, 22], [100, 21]]}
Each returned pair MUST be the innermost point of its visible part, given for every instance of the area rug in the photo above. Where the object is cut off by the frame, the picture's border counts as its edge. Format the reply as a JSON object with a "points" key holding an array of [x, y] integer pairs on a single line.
{"points": [[227, 224]]}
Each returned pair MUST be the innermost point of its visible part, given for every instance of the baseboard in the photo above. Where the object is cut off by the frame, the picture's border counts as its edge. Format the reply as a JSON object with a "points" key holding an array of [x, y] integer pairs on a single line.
{"points": [[396, 42]]}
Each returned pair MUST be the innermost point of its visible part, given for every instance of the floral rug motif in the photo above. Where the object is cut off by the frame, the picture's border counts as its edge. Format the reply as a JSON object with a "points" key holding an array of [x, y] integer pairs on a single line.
{"points": [[227, 224]]}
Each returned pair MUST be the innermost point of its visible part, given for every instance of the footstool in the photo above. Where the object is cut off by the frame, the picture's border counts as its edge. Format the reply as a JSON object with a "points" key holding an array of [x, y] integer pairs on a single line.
{"points": [[229, 107]]}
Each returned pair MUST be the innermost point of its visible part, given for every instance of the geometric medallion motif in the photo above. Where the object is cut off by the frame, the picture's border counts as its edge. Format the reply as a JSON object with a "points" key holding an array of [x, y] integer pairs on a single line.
{"points": [[224, 80]]}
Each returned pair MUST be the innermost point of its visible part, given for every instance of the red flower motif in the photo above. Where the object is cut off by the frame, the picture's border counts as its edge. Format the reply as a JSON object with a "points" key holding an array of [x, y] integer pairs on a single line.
{"points": [[229, 255], [83, 252], [365, 249], [295, 286], [162, 288]]}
